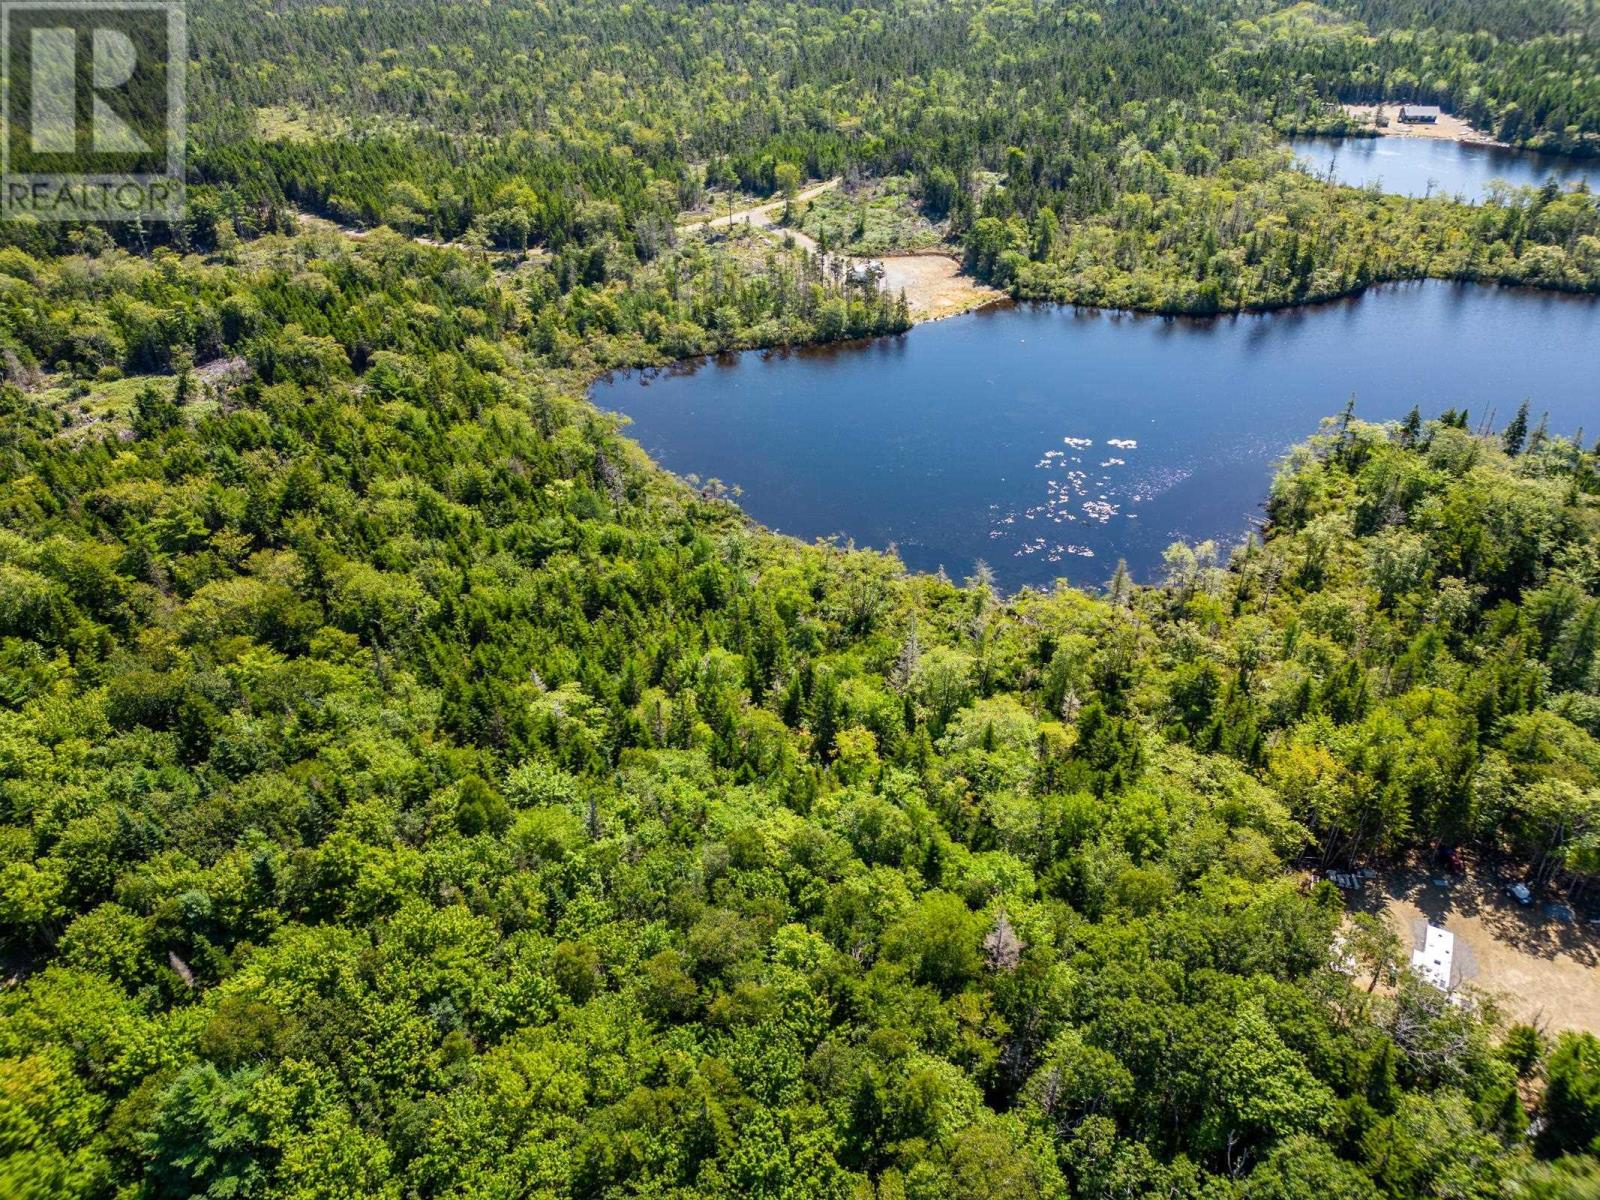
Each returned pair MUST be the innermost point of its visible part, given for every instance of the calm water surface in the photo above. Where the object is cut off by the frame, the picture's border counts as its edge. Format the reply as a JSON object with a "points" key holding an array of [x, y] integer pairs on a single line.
{"points": [[1410, 166], [1049, 441]]}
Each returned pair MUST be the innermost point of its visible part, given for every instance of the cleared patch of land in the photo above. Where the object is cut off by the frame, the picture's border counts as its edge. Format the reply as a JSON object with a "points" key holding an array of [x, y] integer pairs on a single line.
{"points": [[292, 123], [98, 407], [88, 406], [879, 216], [1542, 970], [935, 285], [1385, 118]]}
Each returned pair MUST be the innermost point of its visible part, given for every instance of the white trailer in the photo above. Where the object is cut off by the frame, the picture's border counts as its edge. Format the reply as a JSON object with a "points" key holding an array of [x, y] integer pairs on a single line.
{"points": [[1434, 959]]}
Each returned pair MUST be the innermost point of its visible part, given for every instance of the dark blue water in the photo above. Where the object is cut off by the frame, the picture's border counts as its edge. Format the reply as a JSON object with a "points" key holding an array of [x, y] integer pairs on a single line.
{"points": [[1049, 441], [1410, 166]]}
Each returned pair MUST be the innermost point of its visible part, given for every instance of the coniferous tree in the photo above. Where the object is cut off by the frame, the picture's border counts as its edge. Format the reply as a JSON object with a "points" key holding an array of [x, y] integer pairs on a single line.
{"points": [[1516, 432]]}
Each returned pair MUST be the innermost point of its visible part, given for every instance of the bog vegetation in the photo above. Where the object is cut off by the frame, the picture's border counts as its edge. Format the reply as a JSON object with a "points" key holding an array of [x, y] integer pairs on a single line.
{"points": [[406, 790]]}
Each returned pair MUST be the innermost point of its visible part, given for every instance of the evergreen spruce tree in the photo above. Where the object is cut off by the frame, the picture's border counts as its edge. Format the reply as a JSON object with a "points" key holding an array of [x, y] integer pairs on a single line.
{"points": [[1516, 433]]}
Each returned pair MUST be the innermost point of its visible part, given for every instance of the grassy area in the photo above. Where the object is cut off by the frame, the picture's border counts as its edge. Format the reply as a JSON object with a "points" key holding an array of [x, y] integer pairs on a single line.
{"points": [[84, 405], [284, 123], [871, 218], [717, 202]]}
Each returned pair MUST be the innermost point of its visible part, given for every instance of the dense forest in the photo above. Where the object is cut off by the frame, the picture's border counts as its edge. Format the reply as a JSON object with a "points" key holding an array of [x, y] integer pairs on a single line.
{"points": [[409, 790], [1133, 143]]}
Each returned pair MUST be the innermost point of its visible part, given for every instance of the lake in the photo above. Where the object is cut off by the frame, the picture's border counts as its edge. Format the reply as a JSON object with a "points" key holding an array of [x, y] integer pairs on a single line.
{"points": [[1413, 166], [1049, 441]]}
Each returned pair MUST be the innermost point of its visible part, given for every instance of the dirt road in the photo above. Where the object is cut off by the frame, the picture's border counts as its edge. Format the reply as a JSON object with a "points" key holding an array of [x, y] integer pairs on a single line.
{"points": [[764, 216]]}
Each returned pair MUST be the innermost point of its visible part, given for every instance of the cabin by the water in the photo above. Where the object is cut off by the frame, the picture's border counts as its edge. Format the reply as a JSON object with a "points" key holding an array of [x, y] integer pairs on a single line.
{"points": [[1419, 114]]}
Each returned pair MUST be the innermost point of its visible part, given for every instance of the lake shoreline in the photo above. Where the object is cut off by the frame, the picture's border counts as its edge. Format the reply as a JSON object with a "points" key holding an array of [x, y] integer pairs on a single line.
{"points": [[692, 363], [1448, 128], [1419, 168], [1050, 440]]}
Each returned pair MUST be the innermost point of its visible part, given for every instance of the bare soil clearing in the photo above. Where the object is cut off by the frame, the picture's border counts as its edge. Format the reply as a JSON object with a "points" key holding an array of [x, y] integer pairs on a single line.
{"points": [[1445, 129], [1542, 970], [935, 285]]}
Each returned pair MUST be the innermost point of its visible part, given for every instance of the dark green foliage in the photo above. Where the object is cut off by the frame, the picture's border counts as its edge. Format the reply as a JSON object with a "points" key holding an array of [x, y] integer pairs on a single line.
{"points": [[1515, 436], [1572, 1096], [480, 809]]}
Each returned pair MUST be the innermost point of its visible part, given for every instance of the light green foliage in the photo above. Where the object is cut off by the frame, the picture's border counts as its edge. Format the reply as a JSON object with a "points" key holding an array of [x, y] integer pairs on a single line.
{"points": [[870, 217], [406, 790], [1264, 1086]]}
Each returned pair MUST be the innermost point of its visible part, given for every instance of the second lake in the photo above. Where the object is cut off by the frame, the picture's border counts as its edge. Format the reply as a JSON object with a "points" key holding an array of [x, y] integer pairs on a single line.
{"points": [[1051, 441], [1412, 166]]}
